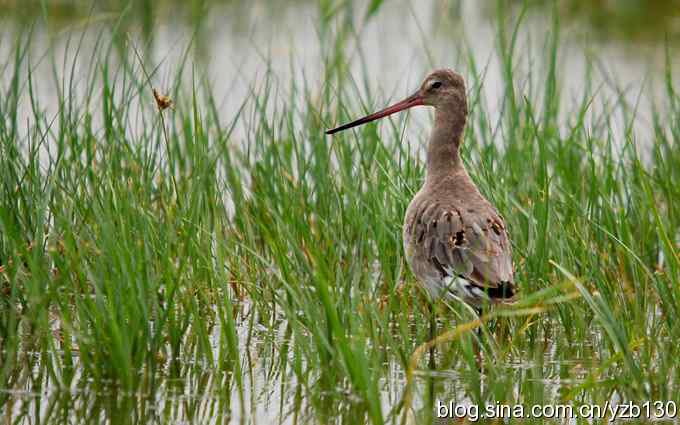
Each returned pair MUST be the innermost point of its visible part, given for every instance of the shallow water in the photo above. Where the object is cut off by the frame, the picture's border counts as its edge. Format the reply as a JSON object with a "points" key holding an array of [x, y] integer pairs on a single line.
{"points": [[183, 391]]}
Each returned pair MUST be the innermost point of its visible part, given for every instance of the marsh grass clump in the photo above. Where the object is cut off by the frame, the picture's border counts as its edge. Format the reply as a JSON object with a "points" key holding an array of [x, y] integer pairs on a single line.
{"points": [[235, 267]]}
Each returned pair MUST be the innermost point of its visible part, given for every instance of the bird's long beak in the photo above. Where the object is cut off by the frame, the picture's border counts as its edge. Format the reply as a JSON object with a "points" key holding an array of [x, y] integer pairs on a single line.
{"points": [[411, 101]]}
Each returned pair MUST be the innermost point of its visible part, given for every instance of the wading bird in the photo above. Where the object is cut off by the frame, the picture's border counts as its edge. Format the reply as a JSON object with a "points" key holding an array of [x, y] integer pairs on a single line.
{"points": [[455, 241]]}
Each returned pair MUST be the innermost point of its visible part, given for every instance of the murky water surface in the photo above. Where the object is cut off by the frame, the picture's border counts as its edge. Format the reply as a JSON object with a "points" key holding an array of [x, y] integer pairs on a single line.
{"points": [[234, 46]]}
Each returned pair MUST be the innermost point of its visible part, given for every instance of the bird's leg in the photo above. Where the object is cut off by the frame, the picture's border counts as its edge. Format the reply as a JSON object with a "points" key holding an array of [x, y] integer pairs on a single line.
{"points": [[433, 365], [478, 343], [433, 327], [479, 312]]}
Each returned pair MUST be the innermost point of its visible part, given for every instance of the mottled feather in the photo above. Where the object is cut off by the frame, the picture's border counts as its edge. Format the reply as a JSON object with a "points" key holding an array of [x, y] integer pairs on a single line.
{"points": [[451, 231]]}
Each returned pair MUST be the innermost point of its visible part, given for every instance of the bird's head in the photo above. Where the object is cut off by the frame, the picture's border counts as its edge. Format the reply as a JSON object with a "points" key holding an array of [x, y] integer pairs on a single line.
{"points": [[443, 89]]}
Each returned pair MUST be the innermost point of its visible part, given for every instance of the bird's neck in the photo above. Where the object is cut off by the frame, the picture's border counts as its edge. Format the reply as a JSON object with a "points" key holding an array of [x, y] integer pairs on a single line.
{"points": [[443, 157]]}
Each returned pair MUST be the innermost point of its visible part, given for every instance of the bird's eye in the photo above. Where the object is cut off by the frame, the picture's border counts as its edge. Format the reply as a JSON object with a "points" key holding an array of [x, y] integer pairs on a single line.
{"points": [[436, 84]]}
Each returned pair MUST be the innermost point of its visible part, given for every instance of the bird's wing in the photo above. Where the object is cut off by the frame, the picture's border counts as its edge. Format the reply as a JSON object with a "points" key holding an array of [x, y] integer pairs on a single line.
{"points": [[471, 245]]}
